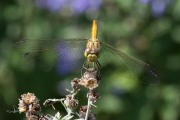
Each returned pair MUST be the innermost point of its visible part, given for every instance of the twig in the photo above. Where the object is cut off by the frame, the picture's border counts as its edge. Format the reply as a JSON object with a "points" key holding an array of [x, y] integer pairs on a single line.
{"points": [[88, 107], [61, 100]]}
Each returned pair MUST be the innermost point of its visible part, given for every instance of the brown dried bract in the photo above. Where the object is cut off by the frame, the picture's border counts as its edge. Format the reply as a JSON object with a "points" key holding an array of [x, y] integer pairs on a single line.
{"points": [[75, 83], [82, 113], [93, 95]]}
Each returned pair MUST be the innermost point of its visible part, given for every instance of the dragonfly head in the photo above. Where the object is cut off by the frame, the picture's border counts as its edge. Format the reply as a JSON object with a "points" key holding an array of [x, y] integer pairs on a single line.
{"points": [[91, 55], [92, 50]]}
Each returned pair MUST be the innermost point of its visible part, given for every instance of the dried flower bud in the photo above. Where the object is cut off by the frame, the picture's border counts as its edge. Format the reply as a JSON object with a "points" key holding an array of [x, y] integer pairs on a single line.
{"points": [[29, 102], [75, 83], [32, 115], [93, 95], [70, 102], [89, 79], [82, 113], [91, 116]]}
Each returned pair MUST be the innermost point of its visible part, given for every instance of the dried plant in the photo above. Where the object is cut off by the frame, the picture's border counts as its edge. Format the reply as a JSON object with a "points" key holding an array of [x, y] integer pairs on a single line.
{"points": [[29, 103]]}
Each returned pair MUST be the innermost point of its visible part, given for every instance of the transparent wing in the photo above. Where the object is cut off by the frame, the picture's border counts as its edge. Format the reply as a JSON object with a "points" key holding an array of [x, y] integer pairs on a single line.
{"points": [[68, 55], [65, 53], [130, 67]]}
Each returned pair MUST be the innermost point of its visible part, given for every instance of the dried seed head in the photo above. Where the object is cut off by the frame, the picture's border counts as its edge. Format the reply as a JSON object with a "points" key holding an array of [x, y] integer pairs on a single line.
{"points": [[89, 83], [92, 116], [83, 109], [70, 102], [82, 113], [89, 79], [29, 102], [93, 95], [32, 115], [75, 83], [44, 117]]}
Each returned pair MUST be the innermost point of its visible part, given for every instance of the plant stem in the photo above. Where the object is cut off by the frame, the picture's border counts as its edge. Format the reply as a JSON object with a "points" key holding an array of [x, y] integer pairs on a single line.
{"points": [[88, 107]]}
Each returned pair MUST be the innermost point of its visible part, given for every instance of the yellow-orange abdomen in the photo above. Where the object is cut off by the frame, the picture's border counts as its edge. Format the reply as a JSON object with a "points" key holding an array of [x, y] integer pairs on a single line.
{"points": [[94, 29]]}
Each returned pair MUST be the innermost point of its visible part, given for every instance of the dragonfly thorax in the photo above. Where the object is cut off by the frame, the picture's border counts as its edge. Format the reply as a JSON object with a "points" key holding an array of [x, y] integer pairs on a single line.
{"points": [[92, 57], [92, 50]]}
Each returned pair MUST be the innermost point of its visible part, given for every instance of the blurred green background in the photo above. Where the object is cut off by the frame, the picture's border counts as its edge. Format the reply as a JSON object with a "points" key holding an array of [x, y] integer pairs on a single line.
{"points": [[146, 29]]}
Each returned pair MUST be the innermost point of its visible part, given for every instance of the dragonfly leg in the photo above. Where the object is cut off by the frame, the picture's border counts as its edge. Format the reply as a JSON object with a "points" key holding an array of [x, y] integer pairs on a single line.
{"points": [[81, 71], [98, 65], [94, 65], [86, 65], [98, 69]]}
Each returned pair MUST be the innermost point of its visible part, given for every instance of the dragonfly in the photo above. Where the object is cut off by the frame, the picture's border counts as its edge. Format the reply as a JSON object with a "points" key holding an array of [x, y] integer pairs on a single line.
{"points": [[92, 52]]}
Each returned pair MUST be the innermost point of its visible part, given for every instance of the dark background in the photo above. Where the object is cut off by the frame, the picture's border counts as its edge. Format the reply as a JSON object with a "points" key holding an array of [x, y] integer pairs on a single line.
{"points": [[146, 29]]}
